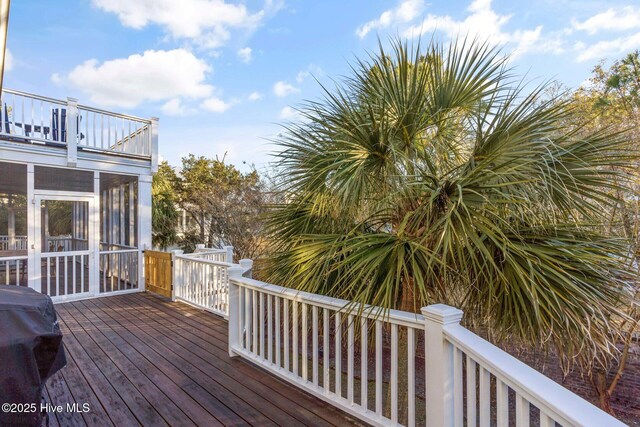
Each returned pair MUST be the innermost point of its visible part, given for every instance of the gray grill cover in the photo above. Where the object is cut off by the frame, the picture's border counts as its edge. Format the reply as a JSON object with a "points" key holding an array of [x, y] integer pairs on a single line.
{"points": [[31, 349]]}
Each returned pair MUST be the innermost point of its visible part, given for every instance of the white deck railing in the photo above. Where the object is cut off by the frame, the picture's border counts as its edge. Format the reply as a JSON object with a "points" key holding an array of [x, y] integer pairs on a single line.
{"points": [[202, 279], [35, 118], [19, 243], [385, 367]]}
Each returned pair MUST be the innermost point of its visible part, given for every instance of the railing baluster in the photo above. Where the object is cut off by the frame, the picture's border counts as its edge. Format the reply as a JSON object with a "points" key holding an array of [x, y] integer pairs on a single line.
{"points": [[350, 357], [254, 314], [471, 392], [546, 421], [287, 333], [305, 343], [363, 362], [294, 343], [278, 326], [269, 328], [261, 325], [411, 377], [458, 397], [314, 335], [522, 411], [379, 368], [247, 319], [502, 403], [485, 397], [394, 373], [338, 356], [326, 382]]}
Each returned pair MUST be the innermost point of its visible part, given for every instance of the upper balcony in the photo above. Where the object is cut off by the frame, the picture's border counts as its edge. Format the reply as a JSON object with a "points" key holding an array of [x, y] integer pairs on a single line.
{"points": [[79, 129]]}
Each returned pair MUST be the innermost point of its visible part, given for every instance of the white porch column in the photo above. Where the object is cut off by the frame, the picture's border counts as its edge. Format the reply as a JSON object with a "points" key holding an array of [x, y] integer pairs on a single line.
{"points": [[144, 223], [94, 243], [32, 232], [72, 132], [438, 358]]}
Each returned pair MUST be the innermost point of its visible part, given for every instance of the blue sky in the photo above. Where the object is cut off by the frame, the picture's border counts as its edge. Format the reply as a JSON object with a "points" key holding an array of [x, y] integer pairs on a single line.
{"points": [[222, 75]]}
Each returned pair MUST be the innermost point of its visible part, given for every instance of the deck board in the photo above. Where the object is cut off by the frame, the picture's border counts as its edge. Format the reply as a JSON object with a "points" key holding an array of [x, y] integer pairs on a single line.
{"points": [[138, 359]]}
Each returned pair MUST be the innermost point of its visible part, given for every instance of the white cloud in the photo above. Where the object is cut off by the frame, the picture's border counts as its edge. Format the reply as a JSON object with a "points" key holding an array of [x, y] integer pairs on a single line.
{"points": [[288, 113], [215, 105], [484, 23], [282, 89], [207, 22], [623, 19], [153, 76], [406, 12], [312, 69], [8, 61], [604, 48], [174, 107], [244, 54], [255, 96]]}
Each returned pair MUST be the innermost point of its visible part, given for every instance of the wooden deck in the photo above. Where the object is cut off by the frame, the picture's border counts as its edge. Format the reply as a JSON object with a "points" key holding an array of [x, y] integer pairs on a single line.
{"points": [[138, 359]]}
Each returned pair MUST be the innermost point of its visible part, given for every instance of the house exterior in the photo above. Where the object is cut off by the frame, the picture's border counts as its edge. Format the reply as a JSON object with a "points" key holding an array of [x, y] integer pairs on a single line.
{"points": [[75, 196]]}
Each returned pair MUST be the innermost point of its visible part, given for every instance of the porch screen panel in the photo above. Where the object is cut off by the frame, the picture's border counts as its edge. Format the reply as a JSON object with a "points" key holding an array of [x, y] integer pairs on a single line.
{"points": [[119, 254], [60, 179], [13, 224]]}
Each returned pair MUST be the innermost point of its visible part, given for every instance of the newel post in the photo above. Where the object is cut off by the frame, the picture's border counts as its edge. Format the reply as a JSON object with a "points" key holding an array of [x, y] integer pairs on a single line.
{"points": [[155, 122], [439, 364], [176, 276], [72, 131], [235, 317], [229, 250]]}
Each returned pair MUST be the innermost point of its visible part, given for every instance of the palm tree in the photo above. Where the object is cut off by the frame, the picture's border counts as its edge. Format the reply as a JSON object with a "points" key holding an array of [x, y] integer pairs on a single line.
{"points": [[433, 175]]}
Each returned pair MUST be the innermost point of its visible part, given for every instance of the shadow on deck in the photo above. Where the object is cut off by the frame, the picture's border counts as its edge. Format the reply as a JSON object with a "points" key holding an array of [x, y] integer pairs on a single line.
{"points": [[138, 359]]}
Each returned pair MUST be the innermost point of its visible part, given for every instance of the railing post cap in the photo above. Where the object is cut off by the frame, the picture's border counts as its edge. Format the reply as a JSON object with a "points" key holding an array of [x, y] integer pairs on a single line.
{"points": [[442, 314], [227, 247], [72, 100], [178, 251], [246, 262]]}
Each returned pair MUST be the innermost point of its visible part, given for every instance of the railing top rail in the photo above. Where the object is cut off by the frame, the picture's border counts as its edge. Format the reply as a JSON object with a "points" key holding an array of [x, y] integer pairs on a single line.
{"points": [[80, 106], [187, 257], [550, 397], [13, 258], [34, 96], [403, 318], [113, 114], [120, 251]]}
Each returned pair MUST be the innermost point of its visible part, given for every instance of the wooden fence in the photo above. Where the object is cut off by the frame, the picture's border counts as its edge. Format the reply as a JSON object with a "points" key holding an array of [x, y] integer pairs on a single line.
{"points": [[158, 272]]}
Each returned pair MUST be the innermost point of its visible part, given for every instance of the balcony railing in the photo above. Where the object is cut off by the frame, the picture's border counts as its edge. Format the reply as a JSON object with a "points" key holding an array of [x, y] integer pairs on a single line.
{"points": [[386, 367], [54, 122]]}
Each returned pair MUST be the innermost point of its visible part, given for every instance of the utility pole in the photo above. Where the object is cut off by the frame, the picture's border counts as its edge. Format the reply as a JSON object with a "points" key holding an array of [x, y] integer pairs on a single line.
{"points": [[4, 26]]}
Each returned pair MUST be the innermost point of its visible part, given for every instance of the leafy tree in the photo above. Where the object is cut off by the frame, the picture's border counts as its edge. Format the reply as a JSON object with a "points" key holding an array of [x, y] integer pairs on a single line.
{"points": [[225, 204], [433, 176], [164, 211], [611, 99]]}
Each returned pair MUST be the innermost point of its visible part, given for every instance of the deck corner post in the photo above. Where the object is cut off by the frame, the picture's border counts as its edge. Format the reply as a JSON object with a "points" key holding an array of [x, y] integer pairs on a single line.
{"points": [[72, 132], [229, 250], [176, 276], [439, 364], [155, 124], [235, 318]]}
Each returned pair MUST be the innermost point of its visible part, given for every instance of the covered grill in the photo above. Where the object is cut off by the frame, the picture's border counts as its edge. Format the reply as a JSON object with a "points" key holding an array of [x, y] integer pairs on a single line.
{"points": [[31, 350]]}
